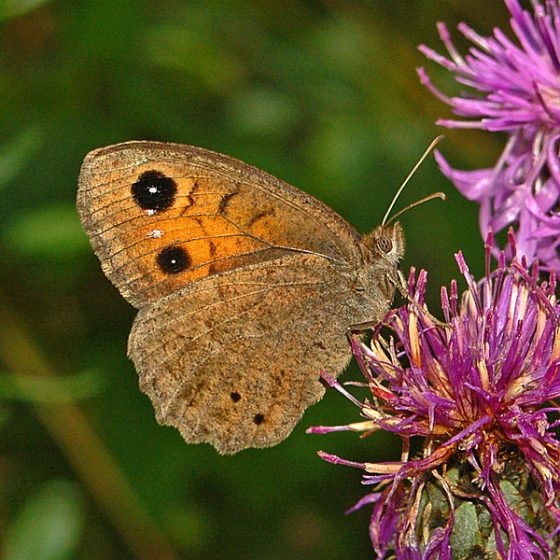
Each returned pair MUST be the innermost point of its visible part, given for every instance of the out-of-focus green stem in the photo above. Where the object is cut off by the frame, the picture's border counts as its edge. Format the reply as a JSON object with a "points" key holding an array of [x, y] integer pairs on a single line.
{"points": [[78, 440]]}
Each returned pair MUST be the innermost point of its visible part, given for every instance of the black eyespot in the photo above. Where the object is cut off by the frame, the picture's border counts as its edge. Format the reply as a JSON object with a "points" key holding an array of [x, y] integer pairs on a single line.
{"points": [[258, 419], [384, 244], [173, 260], [154, 191], [235, 397]]}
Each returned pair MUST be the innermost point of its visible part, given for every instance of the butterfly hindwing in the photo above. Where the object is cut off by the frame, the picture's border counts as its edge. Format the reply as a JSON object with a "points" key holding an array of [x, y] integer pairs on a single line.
{"points": [[231, 360]]}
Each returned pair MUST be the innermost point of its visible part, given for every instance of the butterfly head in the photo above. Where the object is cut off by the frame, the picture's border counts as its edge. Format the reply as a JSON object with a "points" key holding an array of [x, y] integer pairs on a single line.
{"points": [[386, 244], [377, 278]]}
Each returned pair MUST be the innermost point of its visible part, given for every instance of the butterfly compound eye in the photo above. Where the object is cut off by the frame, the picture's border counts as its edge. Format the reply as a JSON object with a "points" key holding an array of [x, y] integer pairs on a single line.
{"points": [[384, 244]]}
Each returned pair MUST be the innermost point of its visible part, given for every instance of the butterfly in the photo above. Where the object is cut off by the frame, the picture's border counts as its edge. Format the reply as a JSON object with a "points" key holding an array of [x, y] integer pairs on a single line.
{"points": [[246, 286]]}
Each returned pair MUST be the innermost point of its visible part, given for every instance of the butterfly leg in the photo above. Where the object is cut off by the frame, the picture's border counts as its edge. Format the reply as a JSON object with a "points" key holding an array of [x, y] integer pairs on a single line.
{"points": [[401, 285], [360, 329]]}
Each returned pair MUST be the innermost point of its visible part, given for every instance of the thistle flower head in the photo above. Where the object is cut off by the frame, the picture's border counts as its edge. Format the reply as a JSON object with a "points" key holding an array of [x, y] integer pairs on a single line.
{"points": [[514, 88], [477, 391]]}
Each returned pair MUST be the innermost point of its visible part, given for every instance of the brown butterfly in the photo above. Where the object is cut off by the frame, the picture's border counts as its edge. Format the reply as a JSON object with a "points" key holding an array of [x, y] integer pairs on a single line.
{"points": [[247, 287]]}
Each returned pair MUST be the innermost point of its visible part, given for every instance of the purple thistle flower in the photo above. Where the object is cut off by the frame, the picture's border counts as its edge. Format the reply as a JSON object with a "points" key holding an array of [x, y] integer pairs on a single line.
{"points": [[517, 91], [478, 392]]}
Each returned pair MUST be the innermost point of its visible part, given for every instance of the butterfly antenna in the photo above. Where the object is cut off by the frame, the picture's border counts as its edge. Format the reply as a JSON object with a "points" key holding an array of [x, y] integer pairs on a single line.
{"points": [[440, 195], [432, 145]]}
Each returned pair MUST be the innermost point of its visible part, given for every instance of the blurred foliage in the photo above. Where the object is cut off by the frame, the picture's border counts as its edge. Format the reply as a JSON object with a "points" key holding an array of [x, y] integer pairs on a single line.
{"points": [[323, 94], [51, 389], [16, 153], [49, 524]]}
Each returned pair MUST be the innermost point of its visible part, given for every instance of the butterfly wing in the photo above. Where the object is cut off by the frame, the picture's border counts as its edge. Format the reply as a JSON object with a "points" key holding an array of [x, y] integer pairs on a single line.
{"points": [[234, 359], [160, 216], [244, 285]]}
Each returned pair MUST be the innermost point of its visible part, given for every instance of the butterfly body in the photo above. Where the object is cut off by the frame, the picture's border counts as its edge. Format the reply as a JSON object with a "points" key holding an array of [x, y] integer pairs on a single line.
{"points": [[246, 287]]}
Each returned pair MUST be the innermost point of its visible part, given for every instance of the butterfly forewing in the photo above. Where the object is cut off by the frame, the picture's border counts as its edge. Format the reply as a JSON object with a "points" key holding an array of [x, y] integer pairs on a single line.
{"points": [[160, 216]]}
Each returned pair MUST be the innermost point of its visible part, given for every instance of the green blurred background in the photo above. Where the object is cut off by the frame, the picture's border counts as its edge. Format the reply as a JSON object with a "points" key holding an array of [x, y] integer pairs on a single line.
{"points": [[323, 94]]}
